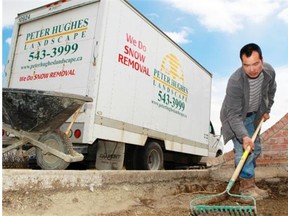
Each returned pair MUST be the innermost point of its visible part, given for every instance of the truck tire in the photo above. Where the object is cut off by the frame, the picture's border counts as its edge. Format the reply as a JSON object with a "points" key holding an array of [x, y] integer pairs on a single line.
{"points": [[219, 152], [151, 157], [57, 140]]}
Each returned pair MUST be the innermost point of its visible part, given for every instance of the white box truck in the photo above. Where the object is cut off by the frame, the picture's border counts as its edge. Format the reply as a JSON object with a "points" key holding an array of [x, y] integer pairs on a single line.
{"points": [[151, 100]]}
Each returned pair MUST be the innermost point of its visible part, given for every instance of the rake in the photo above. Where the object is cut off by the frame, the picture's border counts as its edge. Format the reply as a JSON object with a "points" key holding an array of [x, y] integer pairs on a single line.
{"points": [[197, 209]]}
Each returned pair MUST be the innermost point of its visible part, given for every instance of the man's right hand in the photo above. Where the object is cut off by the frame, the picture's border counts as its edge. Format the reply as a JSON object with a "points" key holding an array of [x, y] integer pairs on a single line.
{"points": [[247, 141]]}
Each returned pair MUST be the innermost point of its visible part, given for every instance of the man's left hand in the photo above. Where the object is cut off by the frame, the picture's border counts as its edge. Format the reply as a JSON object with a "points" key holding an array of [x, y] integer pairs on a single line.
{"points": [[266, 116]]}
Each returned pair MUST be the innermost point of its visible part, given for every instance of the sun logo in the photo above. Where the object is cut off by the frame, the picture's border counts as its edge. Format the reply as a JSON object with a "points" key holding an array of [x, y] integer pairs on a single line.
{"points": [[172, 67]]}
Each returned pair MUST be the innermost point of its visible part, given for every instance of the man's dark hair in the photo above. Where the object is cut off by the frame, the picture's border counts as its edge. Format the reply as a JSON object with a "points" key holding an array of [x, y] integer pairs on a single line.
{"points": [[249, 48]]}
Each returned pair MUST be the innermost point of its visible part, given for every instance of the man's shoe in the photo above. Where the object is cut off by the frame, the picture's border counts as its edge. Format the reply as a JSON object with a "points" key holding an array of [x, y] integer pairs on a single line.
{"points": [[250, 192], [248, 188], [263, 193]]}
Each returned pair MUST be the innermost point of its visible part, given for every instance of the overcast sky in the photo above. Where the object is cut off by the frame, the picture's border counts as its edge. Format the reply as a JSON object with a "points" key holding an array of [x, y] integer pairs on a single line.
{"points": [[212, 32]]}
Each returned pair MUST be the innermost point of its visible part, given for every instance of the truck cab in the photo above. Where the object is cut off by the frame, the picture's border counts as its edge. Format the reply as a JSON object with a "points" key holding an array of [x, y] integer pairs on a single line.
{"points": [[216, 146]]}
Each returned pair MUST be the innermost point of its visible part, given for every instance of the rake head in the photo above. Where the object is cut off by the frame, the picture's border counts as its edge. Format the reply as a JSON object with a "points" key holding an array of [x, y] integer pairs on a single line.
{"points": [[222, 210], [202, 205]]}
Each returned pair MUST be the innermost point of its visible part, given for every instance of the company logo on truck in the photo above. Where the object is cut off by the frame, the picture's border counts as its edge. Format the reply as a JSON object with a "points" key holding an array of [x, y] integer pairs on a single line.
{"points": [[172, 93], [57, 34], [53, 45]]}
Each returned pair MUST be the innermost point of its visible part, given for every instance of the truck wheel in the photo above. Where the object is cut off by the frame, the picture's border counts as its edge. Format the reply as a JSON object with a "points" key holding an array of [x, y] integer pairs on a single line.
{"points": [[151, 157], [219, 152], [57, 140]]}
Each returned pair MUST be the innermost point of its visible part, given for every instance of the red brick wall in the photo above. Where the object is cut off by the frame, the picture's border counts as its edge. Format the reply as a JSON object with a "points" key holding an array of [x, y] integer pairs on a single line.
{"points": [[275, 143]]}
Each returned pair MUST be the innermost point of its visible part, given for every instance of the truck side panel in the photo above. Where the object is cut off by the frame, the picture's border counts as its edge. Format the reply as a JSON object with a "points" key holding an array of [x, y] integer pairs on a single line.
{"points": [[149, 86]]}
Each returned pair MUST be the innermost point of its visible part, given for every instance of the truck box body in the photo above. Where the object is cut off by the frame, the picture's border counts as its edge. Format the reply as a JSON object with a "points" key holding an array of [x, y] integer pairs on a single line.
{"points": [[143, 84]]}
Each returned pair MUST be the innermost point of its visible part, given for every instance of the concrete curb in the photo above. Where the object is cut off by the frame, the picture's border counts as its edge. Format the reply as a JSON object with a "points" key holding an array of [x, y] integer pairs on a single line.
{"points": [[14, 180], [23, 179]]}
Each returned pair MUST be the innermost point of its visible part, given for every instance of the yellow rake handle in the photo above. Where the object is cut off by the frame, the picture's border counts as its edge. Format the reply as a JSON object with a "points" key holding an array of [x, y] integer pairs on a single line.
{"points": [[245, 154]]}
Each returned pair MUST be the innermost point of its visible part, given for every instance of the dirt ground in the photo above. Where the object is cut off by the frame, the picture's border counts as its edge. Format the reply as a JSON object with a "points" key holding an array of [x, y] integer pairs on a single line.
{"points": [[131, 200]]}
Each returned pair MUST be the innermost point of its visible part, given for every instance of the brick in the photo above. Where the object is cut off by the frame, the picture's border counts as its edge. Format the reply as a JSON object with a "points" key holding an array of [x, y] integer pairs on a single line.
{"points": [[275, 128], [268, 155], [275, 154], [281, 133], [282, 140], [269, 161], [263, 161], [278, 140], [265, 136], [266, 147], [278, 134], [280, 125], [279, 147], [284, 134], [273, 141]]}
